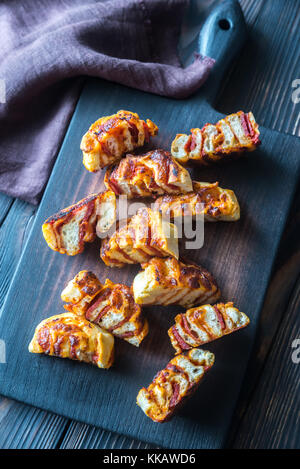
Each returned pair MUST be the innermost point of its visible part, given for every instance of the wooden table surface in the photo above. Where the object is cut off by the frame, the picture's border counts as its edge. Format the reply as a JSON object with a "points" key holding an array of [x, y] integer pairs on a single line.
{"points": [[267, 415]]}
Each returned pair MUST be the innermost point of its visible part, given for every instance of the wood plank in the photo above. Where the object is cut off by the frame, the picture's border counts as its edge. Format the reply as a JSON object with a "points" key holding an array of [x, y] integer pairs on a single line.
{"points": [[232, 97], [261, 79], [22, 426], [84, 436], [278, 295], [262, 98], [278, 391], [78, 430], [214, 116], [5, 204], [26, 427], [263, 108], [254, 240], [13, 232]]}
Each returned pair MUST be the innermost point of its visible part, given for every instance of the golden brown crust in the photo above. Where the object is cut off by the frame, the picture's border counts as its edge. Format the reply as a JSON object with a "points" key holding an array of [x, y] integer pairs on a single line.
{"points": [[145, 235], [110, 306], [110, 137], [172, 385], [204, 324], [169, 281], [234, 134], [209, 199], [69, 229], [154, 173], [70, 336]]}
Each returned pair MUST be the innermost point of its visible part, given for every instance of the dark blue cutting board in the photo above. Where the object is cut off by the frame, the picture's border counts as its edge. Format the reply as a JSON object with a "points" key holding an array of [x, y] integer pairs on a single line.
{"points": [[240, 255]]}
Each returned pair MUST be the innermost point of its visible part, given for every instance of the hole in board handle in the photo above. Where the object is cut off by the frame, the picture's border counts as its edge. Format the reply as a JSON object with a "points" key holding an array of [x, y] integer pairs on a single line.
{"points": [[224, 24]]}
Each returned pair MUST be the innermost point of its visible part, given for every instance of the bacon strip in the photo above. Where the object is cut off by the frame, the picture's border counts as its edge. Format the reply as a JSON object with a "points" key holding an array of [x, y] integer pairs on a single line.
{"points": [[235, 133], [151, 174], [143, 237], [80, 221], [111, 306], [111, 137], [209, 199], [166, 281], [181, 342], [209, 323], [68, 335], [172, 385]]}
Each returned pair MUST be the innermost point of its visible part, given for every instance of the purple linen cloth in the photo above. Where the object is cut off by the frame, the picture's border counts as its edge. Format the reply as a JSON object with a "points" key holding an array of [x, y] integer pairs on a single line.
{"points": [[47, 46]]}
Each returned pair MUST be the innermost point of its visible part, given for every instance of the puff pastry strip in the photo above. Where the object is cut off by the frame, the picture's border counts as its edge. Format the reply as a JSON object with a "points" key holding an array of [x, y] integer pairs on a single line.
{"points": [[215, 203], [168, 281], [145, 235], [110, 137], [172, 385], [68, 230], [204, 324], [70, 336], [235, 133], [154, 173], [110, 306]]}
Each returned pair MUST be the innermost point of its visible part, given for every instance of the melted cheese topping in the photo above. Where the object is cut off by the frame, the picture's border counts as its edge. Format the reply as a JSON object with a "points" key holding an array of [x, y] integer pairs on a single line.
{"points": [[110, 137], [235, 133], [68, 230], [209, 199], [110, 306], [154, 173], [204, 324], [169, 281], [174, 383], [144, 236], [70, 336]]}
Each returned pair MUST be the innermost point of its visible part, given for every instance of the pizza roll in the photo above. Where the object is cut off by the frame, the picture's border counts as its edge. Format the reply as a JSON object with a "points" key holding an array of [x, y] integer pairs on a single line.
{"points": [[209, 199], [204, 324], [174, 383], [110, 306], [168, 281], [154, 173], [110, 137], [235, 133], [68, 230], [145, 235], [70, 336]]}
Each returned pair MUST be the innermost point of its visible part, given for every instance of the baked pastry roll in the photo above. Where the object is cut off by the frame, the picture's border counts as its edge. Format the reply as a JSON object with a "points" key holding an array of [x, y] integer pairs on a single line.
{"points": [[172, 385], [70, 336], [68, 230], [215, 203], [168, 281], [110, 137], [154, 173], [204, 324], [235, 133], [145, 235], [110, 306]]}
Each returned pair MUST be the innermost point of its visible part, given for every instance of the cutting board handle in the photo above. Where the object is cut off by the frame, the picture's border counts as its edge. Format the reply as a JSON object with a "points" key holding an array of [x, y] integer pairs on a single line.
{"points": [[222, 36]]}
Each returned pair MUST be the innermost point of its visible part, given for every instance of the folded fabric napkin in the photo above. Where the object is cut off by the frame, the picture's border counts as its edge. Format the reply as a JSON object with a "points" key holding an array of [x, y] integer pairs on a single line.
{"points": [[48, 46]]}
